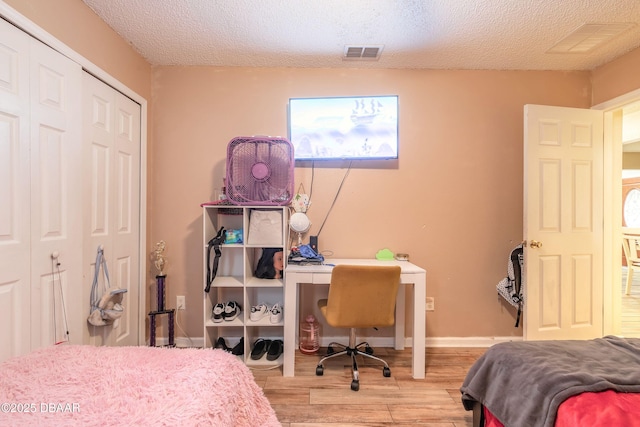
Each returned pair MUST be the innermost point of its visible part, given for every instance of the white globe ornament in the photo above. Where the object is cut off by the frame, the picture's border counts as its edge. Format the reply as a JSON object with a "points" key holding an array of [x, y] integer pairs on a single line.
{"points": [[299, 223]]}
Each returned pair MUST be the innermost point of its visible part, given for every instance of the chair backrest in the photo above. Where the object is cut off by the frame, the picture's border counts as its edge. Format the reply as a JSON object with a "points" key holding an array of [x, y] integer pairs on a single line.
{"points": [[630, 245], [362, 296]]}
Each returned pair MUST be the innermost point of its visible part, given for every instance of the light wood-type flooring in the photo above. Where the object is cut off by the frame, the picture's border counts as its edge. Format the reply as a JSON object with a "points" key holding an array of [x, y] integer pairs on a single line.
{"points": [[307, 400], [631, 306]]}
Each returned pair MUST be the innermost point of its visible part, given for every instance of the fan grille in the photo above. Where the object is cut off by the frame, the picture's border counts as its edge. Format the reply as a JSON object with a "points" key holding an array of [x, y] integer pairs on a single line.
{"points": [[260, 171]]}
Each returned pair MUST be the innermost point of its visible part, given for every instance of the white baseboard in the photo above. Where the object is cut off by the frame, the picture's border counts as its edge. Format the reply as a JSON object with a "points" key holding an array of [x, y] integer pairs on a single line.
{"points": [[181, 342], [431, 342], [468, 341]]}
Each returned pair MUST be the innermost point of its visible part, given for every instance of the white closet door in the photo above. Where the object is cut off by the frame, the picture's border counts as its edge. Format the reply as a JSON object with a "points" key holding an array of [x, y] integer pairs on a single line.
{"points": [[14, 192], [56, 196], [40, 194], [112, 207]]}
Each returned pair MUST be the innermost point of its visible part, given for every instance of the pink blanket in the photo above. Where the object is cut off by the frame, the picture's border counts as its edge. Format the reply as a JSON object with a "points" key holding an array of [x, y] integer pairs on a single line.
{"points": [[134, 386]]}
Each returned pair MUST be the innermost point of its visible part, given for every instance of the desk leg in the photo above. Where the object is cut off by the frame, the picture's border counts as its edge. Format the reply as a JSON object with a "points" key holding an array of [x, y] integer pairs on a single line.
{"points": [[419, 326], [400, 316], [290, 314]]}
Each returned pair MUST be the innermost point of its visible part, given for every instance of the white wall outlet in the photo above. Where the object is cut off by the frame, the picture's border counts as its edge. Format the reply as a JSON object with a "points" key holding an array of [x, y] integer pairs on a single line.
{"points": [[430, 304], [181, 303]]}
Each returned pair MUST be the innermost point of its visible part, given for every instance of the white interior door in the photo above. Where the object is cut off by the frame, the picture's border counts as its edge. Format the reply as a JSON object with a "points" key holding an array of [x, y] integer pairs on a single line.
{"points": [[112, 201], [15, 267], [563, 210]]}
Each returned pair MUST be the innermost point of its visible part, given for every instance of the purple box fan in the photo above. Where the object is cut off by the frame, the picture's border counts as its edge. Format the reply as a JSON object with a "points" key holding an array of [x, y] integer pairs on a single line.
{"points": [[260, 171]]}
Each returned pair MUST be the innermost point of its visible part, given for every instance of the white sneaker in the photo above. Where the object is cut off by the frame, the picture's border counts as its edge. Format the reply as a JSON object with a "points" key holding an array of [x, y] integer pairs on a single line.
{"points": [[217, 312], [259, 311], [276, 313]]}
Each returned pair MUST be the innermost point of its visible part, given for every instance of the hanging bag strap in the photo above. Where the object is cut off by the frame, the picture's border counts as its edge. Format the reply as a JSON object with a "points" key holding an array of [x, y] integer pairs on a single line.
{"points": [[516, 260], [214, 244], [95, 294]]}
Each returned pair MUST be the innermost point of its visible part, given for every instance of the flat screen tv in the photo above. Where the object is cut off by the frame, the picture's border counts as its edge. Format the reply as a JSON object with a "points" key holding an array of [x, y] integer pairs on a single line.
{"points": [[344, 128]]}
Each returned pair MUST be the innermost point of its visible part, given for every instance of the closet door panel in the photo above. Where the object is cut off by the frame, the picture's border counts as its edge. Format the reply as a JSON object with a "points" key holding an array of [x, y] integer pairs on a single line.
{"points": [[112, 140], [56, 196], [127, 197], [15, 291], [99, 182], [98, 125]]}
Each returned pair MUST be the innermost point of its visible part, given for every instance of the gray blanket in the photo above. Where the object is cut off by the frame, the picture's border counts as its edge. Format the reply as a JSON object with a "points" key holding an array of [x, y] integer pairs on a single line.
{"points": [[523, 383]]}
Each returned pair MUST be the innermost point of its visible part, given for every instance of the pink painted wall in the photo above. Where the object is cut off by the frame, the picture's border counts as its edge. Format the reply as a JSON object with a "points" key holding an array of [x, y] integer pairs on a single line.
{"points": [[616, 78], [453, 201]]}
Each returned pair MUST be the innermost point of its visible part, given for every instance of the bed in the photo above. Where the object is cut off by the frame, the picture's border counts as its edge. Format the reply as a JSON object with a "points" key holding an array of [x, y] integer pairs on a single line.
{"points": [[556, 383], [76, 385]]}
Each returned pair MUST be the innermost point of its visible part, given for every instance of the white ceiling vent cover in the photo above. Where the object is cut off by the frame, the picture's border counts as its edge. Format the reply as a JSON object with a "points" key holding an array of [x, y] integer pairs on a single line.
{"points": [[588, 37], [362, 53]]}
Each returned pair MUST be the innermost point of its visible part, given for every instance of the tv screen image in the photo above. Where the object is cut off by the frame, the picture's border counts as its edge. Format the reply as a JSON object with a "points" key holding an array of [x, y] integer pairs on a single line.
{"points": [[334, 128]]}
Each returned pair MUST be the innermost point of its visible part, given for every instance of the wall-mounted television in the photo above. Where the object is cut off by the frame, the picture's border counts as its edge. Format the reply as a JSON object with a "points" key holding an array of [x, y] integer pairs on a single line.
{"points": [[344, 128]]}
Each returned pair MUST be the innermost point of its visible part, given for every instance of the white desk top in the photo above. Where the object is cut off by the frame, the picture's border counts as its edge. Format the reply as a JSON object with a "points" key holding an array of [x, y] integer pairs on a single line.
{"points": [[406, 266]]}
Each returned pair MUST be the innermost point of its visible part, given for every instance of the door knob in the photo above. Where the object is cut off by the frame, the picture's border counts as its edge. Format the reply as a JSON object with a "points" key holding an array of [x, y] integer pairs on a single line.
{"points": [[535, 244]]}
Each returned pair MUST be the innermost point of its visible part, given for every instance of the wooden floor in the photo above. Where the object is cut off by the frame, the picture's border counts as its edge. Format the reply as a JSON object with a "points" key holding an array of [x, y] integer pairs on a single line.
{"points": [[307, 400], [631, 306]]}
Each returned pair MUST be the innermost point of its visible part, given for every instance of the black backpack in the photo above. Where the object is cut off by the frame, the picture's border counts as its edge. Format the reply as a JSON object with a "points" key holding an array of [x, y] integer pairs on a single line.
{"points": [[511, 288]]}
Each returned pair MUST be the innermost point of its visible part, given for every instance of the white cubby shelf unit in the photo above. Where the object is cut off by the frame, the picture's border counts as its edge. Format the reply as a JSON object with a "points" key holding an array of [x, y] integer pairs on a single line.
{"points": [[235, 279]]}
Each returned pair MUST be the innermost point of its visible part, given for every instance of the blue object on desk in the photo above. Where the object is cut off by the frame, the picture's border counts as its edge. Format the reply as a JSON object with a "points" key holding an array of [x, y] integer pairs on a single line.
{"points": [[308, 252]]}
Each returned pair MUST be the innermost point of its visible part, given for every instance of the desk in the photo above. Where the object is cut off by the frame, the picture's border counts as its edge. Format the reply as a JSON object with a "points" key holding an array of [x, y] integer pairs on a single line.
{"points": [[321, 274]]}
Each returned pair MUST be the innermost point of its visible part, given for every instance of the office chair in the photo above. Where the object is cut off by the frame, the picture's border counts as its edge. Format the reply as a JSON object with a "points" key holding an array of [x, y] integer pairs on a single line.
{"points": [[359, 297]]}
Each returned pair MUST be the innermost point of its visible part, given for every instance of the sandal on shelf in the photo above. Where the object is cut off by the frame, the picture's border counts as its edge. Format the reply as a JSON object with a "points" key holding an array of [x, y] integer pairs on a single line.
{"points": [[275, 350], [239, 348], [260, 347], [221, 344]]}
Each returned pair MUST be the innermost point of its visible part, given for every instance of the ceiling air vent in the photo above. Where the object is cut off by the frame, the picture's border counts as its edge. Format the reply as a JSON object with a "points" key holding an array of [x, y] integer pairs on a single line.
{"points": [[588, 37], [362, 53]]}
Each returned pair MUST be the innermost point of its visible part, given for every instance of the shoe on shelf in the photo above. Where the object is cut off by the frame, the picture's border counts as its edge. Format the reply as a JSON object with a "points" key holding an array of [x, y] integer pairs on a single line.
{"points": [[259, 311], [238, 349], [276, 313], [217, 312], [275, 350], [260, 347], [221, 344], [231, 311]]}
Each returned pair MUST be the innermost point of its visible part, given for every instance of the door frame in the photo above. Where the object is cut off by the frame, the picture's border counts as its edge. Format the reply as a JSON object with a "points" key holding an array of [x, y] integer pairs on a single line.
{"points": [[23, 23], [612, 293]]}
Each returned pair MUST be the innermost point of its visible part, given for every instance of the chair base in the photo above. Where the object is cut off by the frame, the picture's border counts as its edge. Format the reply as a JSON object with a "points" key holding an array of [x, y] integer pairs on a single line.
{"points": [[353, 351]]}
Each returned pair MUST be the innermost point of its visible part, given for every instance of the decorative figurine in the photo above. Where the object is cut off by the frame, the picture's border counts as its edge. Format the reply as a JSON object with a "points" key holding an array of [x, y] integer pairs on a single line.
{"points": [[160, 262], [160, 259]]}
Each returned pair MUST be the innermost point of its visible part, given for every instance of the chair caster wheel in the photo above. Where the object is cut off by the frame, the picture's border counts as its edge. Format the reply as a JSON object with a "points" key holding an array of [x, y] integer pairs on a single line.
{"points": [[330, 350], [319, 370], [355, 385], [368, 350], [386, 372]]}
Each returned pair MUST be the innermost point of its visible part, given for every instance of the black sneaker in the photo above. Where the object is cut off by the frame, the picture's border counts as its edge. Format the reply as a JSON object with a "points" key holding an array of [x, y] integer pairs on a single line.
{"points": [[231, 311]]}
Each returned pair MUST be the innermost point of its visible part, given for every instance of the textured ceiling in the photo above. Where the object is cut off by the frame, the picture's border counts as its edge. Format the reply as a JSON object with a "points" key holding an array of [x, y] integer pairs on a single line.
{"points": [[436, 34]]}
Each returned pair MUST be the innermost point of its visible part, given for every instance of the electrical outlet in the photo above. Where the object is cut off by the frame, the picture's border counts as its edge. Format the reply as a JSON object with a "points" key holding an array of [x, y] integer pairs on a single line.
{"points": [[181, 304], [430, 304]]}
